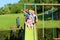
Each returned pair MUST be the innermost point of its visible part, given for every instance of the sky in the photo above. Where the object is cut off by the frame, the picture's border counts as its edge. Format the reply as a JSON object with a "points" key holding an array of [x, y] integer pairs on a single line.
{"points": [[4, 2]]}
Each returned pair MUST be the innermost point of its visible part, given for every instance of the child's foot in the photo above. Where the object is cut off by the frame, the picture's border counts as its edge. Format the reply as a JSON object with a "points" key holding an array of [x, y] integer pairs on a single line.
{"points": [[27, 25]]}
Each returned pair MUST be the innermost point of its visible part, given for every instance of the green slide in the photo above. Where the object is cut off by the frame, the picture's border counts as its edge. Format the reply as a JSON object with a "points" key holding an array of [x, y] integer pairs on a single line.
{"points": [[30, 34]]}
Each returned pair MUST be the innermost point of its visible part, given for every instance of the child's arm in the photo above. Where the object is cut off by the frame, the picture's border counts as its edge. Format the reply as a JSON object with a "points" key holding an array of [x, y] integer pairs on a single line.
{"points": [[36, 19], [24, 12]]}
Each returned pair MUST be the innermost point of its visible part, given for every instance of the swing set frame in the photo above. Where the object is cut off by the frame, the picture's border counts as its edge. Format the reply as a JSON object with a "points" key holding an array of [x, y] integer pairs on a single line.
{"points": [[35, 5]]}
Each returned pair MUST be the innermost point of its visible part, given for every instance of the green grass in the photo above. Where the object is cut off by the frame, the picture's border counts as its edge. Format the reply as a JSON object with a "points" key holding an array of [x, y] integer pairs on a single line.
{"points": [[8, 20], [47, 23]]}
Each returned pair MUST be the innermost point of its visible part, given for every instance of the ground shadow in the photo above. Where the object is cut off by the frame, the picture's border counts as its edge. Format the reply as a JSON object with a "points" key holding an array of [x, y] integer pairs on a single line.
{"points": [[48, 33], [19, 37], [12, 34]]}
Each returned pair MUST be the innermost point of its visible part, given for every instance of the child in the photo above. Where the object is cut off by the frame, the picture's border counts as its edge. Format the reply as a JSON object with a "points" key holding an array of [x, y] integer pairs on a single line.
{"points": [[34, 17], [18, 22], [30, 21]]}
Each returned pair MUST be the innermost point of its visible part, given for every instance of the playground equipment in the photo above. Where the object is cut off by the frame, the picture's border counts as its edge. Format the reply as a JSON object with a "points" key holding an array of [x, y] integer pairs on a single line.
{"points": [[43, 14], [32, 33], [56, 39]]}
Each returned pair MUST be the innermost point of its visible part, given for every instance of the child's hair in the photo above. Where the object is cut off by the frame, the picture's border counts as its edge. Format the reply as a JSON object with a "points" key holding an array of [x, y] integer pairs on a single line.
{"points": [[33, 12], [30, 11]]}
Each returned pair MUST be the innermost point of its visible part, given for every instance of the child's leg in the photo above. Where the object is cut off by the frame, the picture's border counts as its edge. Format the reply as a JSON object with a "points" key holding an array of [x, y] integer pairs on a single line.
{"points": [[32, 26], [28, 25]]}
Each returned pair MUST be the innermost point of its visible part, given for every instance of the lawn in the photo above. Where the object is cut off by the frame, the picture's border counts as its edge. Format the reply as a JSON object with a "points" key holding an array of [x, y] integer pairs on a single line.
{"points": [[8, 20], [48, 23]]}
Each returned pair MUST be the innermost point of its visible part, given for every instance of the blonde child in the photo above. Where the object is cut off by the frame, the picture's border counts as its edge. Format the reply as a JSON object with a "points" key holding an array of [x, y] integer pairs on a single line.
{"points": [[30, 21]]}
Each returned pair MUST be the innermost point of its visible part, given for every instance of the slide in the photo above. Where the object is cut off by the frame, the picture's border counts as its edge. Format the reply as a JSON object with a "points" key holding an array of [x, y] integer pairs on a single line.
{"points": [[30, 34]]}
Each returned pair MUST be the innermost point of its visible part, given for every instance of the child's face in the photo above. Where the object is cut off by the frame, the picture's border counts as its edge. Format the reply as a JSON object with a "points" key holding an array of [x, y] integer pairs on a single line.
{"points": [[30, 11]]}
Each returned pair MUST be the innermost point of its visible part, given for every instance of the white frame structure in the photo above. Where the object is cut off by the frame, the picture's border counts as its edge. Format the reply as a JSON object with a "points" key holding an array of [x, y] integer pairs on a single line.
{"points": [[29, 4]]}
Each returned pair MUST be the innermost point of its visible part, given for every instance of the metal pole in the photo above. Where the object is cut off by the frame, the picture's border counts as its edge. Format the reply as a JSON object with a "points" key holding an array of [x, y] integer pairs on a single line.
{"points": [[52, 23], [43, 19], [24, 6], [57, 32], [44, 4], [24, 16], [24, 13], [35, 9], [34, 26]]}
